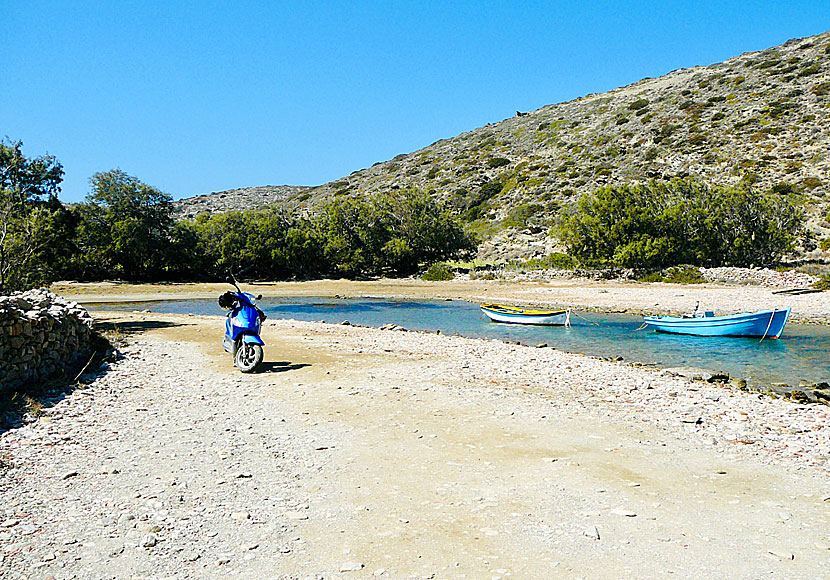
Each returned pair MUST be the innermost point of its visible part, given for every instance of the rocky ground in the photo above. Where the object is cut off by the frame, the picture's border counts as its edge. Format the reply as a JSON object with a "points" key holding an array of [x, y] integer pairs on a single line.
{"points": [[362, 453]]}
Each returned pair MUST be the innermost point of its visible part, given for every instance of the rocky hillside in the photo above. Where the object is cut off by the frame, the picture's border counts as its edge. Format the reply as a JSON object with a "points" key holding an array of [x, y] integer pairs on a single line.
{"points": [[763, 115], [239, 199]]}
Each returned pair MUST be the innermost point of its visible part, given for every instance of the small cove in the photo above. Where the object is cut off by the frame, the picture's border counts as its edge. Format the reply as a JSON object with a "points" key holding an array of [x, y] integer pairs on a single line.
{"points": [[802, 353]]}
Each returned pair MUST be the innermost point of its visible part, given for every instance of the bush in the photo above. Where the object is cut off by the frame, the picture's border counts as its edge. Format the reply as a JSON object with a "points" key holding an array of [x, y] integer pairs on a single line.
{"points": [[823, 283], [519, 215], [675, 275], [655, 225], [810, 70], [820, 89], [560, 261], [494, 162], [439, 272]]}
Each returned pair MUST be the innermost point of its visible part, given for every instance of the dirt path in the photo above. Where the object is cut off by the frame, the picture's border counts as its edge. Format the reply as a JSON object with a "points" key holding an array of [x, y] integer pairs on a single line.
{"points": [[362, 453]]}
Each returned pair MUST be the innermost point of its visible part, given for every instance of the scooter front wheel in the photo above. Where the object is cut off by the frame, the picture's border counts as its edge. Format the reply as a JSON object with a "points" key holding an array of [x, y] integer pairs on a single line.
{"points": [[248, 357]]}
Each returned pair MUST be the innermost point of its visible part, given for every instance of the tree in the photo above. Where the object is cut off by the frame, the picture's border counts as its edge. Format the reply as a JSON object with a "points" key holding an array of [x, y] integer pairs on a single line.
{"points": [[390, 234], [135, 221], [419, 231], [28, 196]]}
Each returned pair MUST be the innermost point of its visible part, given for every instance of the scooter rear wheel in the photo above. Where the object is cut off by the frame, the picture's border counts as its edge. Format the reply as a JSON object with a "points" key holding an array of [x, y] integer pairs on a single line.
{"points": [[248, 357]]}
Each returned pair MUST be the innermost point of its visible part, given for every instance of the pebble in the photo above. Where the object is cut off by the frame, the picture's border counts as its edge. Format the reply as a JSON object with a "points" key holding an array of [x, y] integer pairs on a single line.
{"points": [[351, 566], [149, 541], [591, 532]]}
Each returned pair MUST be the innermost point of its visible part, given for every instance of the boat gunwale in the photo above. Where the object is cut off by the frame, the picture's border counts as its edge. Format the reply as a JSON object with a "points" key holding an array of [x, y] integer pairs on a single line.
{"points": [[515, 311], [715, 320]]}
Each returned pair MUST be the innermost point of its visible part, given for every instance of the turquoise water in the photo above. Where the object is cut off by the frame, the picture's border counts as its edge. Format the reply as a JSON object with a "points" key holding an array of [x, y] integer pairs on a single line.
{"points": [[802, 353]]}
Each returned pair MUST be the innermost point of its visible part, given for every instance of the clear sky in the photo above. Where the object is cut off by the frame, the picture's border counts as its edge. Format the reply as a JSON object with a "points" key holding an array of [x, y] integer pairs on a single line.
{"points": [[196, 97]]}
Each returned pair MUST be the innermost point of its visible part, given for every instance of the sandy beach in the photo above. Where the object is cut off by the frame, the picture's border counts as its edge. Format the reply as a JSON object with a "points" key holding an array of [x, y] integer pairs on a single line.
{"points": [[367, 453]]}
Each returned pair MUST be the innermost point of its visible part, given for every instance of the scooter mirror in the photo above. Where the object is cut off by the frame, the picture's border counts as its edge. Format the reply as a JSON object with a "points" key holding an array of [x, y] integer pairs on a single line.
{"points": [[259, 297]]}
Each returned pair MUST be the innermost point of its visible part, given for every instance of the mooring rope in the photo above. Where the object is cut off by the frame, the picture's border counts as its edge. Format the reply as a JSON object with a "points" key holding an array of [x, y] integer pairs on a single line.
{"points": [[583, 318], [768, 325]]}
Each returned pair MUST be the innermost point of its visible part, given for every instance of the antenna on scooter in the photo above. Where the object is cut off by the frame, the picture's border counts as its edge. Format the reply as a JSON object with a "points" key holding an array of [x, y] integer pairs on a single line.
{"points": [[232, 280]]}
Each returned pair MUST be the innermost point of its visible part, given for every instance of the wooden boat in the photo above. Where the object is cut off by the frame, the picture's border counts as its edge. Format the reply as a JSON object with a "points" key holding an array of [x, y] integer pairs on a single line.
{"points": [[512, 315], [765, 324]]}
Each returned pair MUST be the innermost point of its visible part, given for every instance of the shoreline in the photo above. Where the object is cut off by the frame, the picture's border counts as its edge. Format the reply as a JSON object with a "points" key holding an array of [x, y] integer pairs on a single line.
{"points": [[613, 297]]}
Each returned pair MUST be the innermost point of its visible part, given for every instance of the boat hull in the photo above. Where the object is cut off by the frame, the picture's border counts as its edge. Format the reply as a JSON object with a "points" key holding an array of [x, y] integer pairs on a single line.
{"points": [[508, 315], [768, 324]]}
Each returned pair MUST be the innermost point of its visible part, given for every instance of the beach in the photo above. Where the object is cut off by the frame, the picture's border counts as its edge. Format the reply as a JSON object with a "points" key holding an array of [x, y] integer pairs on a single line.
{"points": [[366, 453]]}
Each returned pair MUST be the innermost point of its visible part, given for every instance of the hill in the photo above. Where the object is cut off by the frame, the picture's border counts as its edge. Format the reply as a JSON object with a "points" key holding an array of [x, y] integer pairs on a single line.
{"points": [[762, 116]]}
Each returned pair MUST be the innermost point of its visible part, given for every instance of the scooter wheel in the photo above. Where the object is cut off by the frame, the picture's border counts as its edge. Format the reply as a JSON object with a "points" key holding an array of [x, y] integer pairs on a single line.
{"points": [[248, 357]]}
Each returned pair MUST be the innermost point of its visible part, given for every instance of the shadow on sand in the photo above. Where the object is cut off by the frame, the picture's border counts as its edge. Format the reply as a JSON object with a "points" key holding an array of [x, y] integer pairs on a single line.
{"points": [[280, 366], [22, 404], [128, 327]]}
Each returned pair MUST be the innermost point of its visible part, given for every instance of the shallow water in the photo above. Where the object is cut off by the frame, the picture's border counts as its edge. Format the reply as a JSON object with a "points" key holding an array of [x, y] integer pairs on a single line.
{"points": [[802, 353]]}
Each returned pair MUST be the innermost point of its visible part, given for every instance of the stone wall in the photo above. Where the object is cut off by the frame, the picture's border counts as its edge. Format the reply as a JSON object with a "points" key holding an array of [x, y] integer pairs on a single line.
{"points": [[41, 334]]}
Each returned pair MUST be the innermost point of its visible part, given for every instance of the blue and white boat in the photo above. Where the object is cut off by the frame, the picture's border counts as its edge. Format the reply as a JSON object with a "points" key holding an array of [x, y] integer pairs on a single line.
{"points": [[513, 315], [764, 324]]}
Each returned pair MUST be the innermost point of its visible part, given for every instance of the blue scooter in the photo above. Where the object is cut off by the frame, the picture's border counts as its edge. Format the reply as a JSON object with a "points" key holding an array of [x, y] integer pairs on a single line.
{"points": [[242, 328]]}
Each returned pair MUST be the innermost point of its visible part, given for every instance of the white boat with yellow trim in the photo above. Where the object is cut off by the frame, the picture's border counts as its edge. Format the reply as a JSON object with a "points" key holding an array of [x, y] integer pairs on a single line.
{"points": [[513, 315]]}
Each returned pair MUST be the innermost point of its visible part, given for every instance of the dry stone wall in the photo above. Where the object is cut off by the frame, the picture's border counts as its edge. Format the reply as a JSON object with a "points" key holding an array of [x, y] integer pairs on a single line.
{"points": [[41, 334]]}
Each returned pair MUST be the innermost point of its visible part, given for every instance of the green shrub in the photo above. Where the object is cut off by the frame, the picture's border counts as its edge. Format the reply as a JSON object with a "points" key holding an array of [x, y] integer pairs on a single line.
{"points": [[494, 162], [519, 215], [783, 188], [438, 272], [820, 89], [658, 224], [810, 70], [638, 104], [822, 283], [675, 275], [560, 261]]}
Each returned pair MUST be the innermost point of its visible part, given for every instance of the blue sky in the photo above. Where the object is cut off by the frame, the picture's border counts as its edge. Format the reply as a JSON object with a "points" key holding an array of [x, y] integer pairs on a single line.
{"points": [[195, 97]]}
